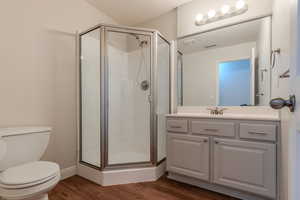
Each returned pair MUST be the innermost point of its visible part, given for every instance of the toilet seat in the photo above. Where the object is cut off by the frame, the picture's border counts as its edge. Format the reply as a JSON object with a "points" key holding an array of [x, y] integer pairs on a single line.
{"points": [[30, 180], [36, 192], [28, 174]]}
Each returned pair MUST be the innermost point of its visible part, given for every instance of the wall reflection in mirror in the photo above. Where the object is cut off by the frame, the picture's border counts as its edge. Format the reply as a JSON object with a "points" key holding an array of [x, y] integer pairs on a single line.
{"points": [[229, 66]]}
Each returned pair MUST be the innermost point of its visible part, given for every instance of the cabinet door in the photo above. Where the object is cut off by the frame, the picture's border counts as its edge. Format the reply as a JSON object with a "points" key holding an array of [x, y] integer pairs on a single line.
{"points": [[248, 166], [188, 155]]}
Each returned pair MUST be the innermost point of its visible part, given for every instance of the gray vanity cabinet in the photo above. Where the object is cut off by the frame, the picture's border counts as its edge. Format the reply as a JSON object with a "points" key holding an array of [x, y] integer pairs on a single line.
{"points": [[227, 156], [249, 166], [189, 155]]}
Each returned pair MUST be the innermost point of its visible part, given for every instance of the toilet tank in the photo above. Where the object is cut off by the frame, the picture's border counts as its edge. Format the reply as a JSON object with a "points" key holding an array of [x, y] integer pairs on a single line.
{"points": [[23, 144]]}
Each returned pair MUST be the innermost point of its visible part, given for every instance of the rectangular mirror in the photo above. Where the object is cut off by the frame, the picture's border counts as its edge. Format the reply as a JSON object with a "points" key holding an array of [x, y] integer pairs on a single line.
{"points": [[228, 66]]}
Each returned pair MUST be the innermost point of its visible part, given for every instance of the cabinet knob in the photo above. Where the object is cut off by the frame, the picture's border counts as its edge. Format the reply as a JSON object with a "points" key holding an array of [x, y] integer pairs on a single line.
{"points": [[216, 142], [205, 141]]}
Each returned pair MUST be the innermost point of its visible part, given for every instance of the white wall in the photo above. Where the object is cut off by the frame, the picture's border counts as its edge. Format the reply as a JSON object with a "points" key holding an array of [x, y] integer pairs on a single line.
{"points": [[38, 69], [200, 72], [166, 24], [187, 13]]}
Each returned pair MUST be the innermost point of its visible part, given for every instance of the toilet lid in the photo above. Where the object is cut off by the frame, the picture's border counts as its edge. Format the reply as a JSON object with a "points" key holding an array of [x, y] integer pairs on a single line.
{"points": [[29, 173]]}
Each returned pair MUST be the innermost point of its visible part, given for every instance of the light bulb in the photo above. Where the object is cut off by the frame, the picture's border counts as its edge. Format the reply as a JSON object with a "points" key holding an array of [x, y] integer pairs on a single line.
{"points": [[225, 9], [211, 14], [240, 4], [199, 18]]}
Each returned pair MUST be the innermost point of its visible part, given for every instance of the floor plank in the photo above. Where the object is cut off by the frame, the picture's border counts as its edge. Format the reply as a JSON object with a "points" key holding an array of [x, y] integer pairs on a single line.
{"points": [[77, 188]]}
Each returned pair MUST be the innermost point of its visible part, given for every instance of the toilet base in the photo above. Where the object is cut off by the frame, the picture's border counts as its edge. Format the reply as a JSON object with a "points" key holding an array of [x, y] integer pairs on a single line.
{"points": [[40, 197]]}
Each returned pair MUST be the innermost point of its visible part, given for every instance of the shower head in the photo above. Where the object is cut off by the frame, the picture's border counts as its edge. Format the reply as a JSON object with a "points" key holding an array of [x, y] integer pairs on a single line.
{"points": [[142, 43], [135, 35]]}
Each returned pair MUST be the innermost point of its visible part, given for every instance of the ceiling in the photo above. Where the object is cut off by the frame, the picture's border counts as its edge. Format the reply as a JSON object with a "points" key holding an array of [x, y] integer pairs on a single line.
{"points": [[232, 35], [133, 12]]}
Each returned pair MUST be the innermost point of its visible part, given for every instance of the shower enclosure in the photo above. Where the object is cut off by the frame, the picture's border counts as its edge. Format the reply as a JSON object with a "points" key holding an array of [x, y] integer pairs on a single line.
{"points": [[124, 97]]}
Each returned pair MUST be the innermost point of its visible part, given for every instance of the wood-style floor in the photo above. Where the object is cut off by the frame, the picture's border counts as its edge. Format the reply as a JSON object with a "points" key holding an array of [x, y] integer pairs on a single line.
{"points": [[77, 188]]}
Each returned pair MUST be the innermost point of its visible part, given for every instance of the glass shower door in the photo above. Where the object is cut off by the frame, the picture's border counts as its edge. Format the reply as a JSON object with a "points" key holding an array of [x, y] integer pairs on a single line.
{"points": [[90, 97], [163, 95], [128, 71]]}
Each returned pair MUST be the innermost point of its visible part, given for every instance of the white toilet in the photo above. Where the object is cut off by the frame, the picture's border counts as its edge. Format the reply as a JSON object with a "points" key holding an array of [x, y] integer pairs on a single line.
{"points": [[22, 175]]}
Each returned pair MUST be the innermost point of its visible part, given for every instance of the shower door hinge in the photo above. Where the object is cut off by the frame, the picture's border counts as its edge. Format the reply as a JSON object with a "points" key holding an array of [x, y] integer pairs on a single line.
{"points": [[149, 98]]}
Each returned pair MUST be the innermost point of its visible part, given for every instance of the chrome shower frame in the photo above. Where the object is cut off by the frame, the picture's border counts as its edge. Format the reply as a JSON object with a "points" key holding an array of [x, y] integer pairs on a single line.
{"points": [[104, 83]]}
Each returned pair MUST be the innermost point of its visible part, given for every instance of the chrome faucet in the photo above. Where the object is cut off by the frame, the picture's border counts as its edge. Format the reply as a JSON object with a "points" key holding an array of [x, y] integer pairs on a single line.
{"points": [[216, 111]]}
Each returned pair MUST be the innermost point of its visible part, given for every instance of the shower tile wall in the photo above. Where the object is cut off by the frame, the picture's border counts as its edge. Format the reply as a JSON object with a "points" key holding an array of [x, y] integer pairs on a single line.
{"points": [[141, 106]]}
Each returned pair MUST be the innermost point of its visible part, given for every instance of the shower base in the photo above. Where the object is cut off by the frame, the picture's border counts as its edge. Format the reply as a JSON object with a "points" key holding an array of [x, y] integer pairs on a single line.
{"points": [[92, 157], [123, 176]]}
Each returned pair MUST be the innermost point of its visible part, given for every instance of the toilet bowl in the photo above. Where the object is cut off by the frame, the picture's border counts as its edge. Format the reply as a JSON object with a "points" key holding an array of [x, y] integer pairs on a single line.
{"points": [[22, 175]]}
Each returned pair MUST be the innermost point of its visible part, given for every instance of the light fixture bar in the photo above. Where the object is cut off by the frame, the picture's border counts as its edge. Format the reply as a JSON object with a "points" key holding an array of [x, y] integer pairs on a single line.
{"points": [[226, 11]]}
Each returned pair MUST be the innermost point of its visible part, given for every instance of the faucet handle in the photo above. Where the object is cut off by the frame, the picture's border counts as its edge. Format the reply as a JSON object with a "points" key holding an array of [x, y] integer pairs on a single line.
{"points": [[213, 111], [221, 111]]}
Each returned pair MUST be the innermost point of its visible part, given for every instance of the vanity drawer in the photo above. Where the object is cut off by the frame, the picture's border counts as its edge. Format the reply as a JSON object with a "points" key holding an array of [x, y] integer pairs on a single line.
{"points": [[223, 129], [258, 131], [180, 125]]}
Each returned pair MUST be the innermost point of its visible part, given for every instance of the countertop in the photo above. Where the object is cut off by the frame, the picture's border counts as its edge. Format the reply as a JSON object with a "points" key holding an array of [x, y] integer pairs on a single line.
{"points": [[242, 113], [227, 116]]}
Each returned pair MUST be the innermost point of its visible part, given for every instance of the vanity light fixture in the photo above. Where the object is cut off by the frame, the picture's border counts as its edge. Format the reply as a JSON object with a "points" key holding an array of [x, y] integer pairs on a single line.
{"points": [[199, 17], [226, 11], [240, 4], [211, 14]]}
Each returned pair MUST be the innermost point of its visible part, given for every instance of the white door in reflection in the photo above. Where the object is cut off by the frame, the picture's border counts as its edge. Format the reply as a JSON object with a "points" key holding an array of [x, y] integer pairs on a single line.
{"points": [[234, 87]]}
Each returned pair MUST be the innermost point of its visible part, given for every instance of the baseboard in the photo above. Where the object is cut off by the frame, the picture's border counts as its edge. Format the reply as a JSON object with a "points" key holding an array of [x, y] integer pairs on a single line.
{"points": [[68, 172]]}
